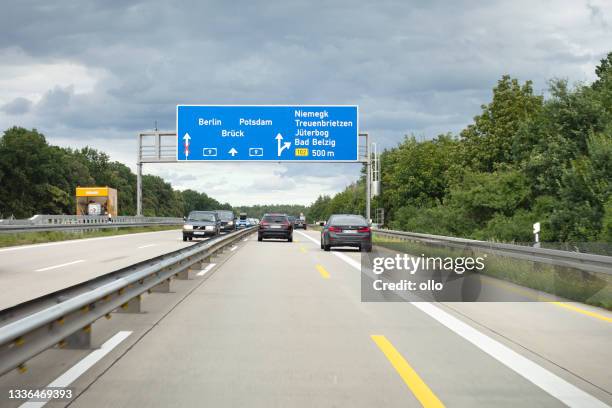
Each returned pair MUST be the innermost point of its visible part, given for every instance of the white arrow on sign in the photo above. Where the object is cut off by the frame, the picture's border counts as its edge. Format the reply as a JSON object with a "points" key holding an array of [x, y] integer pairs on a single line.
{"points": [[186, 138], [233, 152], [285, 145]]}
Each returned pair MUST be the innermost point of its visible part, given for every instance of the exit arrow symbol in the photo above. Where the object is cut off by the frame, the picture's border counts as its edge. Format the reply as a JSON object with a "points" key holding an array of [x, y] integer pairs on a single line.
{"points": [[286, 145], [233, 152]]}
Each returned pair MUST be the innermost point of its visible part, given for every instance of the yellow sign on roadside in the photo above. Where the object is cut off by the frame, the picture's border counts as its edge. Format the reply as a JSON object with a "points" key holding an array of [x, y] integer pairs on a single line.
{"points": [[303, 152]]}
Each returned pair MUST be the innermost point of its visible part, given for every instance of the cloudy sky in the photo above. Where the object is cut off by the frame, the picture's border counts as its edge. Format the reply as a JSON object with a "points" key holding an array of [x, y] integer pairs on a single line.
{"points": [[97, 72]]}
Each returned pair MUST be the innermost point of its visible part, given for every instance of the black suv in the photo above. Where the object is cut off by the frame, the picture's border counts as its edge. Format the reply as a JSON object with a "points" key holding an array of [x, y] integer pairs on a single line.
{"points": [[228, 220], [275, 226]]}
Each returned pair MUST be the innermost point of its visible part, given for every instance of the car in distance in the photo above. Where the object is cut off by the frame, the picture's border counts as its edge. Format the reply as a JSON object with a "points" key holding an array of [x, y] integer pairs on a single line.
{"points": [[346, 230], [299, 222], [242, 221], [228, 220], [201, 224], [275, 226]]}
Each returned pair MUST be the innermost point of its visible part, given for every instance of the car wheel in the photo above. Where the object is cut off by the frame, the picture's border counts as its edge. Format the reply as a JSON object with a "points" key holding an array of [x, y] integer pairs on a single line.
{"points": [[326, 248], [321, 244], [260, 238], [290, 239], [191, 238], [304, 227], [184, 238]]}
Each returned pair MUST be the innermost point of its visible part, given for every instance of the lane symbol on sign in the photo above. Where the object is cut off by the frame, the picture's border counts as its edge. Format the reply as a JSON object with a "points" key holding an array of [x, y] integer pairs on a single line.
{"points": [[233, 152], [256, 151], [209, 151], [186, 138], [286, 145]]}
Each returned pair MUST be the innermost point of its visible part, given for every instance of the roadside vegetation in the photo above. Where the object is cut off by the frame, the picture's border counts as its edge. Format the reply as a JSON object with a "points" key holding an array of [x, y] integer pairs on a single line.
{"points": [[569, 283], [526, 158], [38, 178], [27, 238]]}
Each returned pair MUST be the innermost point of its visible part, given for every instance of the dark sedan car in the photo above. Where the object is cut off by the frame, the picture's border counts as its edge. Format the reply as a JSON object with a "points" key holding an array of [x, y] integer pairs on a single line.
{"points": [[201, 224], [228, 220], [346, 230], [299, 222], [275, 226]]}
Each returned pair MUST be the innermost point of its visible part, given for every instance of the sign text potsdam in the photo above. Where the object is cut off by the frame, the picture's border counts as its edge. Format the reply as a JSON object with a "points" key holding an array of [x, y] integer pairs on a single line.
{"points": [[267, 133]]}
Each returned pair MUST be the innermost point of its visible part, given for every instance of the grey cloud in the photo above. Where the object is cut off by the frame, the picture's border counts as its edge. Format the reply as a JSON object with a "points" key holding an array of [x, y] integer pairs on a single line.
{"points": [[421, 67], [17, 106]]}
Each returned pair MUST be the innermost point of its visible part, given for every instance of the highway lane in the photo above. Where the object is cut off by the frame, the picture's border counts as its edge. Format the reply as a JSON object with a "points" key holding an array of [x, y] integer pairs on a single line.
{"points": [[30, 271], [571, 335], [282, 324]]}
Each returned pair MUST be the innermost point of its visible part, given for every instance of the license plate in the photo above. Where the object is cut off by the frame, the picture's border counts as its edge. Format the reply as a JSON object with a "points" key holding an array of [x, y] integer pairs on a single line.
{"points": [[349, 231], [276, 226], [209, 228], [198, 233]]}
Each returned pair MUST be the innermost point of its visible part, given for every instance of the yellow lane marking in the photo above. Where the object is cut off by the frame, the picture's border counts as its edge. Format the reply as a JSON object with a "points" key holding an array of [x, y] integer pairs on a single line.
{"points": [[583, 311], [418, 387], [302, 249], [323, 272], [529, 293]]}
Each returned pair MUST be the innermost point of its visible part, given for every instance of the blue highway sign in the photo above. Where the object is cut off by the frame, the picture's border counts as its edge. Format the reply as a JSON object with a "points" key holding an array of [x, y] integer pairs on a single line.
{"points": [[267, 133]]}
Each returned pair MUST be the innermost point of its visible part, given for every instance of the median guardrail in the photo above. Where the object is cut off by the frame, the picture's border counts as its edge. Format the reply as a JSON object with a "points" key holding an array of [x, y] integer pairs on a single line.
{"points": [[43, 222], [575, 260], [65, 317]]}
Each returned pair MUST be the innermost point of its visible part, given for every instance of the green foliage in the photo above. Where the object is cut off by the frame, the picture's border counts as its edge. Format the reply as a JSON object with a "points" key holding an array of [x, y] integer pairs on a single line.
{"points": [[36, 178], [490, 139], [257, 211], [525, 159]]}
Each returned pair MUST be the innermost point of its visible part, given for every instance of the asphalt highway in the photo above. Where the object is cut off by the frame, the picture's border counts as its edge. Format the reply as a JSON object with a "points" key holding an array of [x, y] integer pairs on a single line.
{"points": [[31, 271], [277, 324]]}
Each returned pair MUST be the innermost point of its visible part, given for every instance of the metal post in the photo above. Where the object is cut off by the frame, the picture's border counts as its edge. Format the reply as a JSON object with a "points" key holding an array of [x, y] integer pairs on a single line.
{"points": [[139, 189], [139, 178], [368, 165]]}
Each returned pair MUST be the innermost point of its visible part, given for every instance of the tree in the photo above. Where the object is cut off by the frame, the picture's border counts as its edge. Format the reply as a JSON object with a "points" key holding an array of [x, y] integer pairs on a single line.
{"points": [[489, 141]]}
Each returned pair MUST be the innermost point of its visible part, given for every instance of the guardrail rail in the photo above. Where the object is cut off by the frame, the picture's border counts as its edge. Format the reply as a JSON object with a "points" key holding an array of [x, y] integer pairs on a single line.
{"points": [[576, 260], [43, 222]]}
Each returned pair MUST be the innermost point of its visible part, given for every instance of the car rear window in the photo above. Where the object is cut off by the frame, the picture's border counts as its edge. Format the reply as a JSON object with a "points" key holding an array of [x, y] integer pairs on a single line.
{"points": [[226, 215], [201, 217], [348, 220], [275, 218]]}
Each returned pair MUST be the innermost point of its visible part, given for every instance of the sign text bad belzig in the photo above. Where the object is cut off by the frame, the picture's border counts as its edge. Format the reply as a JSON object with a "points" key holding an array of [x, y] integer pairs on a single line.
{"points": [[267, 133]]}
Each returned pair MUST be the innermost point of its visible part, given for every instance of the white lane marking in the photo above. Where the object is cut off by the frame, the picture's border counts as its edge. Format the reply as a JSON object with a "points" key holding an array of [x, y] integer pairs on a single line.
{"points": [[147, 246], [48, 268], [206, 270], [82, 241], [340, 255], [233, 248], [79, 368], [554, 385]]}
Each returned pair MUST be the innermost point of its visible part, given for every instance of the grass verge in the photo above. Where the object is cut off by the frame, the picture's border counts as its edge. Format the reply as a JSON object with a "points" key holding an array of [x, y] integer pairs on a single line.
{"points": [[570, 283], [25, 238]]}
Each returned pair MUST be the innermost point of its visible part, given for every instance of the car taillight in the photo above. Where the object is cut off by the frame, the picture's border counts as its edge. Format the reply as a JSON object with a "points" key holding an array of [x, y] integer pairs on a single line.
{"points": [[335, 229], [364, 229], [263, 224]]}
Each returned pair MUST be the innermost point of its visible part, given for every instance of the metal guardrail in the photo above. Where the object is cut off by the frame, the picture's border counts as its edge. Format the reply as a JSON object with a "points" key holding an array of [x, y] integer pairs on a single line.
{"points": [[37, 325], [77, 222], [576, 260]]}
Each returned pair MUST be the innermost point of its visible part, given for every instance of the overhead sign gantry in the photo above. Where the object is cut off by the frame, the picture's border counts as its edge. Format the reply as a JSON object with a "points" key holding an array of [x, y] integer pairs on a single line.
{"points": [[258, 133], [267, 133]]}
